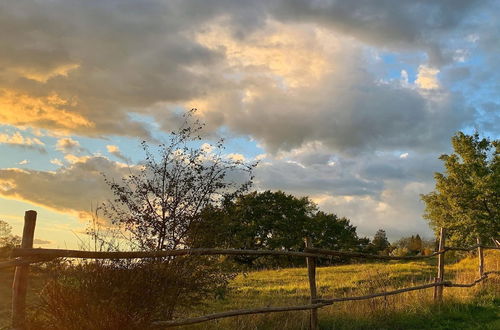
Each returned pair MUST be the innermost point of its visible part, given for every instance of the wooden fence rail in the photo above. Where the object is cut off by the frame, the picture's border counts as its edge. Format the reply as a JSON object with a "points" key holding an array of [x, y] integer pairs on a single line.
{"points": [[26, 255]]}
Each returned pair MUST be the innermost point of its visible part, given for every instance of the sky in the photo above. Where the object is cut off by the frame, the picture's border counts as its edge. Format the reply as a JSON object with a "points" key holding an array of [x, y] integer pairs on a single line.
{"points": [[348, 102]]}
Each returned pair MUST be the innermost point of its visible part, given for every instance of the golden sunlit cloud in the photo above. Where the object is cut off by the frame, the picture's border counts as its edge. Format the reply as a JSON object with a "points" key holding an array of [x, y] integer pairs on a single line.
{"points": [[67, 144], [56, 162], [52, 111], [18, 139], [289, 53], [427, 77], [115, 151], [43, 76]]}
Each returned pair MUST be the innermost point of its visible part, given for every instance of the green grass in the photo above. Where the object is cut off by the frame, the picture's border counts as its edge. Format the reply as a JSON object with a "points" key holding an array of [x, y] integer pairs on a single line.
{"points": [[464, 308]]}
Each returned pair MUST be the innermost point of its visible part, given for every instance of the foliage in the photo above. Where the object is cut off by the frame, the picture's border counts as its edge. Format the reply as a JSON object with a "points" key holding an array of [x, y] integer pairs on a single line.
{"points": [[414, 244], [154, 208], [380, 244], [400, 252], [123, 294], [7, 240], [162, 197], [466, 199], [275, 221]]}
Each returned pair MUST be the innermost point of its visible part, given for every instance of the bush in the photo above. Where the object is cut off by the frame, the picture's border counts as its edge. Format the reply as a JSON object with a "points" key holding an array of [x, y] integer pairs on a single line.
{"points": [[400, 252], [125, 294]]}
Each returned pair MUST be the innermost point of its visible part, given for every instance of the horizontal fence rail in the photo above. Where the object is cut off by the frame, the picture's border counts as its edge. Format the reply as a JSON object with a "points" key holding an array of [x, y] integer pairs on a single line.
{"points": [[238, 312], [325, 252], [308, 252], [26, 255], [58, 253]]}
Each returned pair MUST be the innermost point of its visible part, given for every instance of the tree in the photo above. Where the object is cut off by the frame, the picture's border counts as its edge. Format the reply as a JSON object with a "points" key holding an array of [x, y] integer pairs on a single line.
{"points": [[7, 240], [275, 221], [415, 244], [466, 200], [380, 243], [412, 244], [163, 196], [154, 208]]}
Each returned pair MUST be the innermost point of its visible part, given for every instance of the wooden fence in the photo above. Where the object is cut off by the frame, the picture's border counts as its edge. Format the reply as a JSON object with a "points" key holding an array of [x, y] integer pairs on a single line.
{"points": [[25, 255]]}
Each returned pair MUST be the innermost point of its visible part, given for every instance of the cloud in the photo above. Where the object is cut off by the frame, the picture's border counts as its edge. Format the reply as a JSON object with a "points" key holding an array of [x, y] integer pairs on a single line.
{"points": [[67, 145], [44, 111], [39, 241], [115, 151], [341, 106], [398, 210], [56, 162], [23, 162], [401, 25], [236, 157], [427, 77], [75, 72], [70, 189], [18, 140], [373, 190]]}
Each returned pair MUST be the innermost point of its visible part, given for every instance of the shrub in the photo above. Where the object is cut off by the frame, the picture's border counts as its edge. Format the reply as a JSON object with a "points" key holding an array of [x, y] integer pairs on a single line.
{"points": [[125, 294], [400, 252]]}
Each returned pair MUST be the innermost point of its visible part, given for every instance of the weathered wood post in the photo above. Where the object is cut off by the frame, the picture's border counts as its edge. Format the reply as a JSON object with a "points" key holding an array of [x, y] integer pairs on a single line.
{"points": [[495, 242], [311, 272], [438, 290], [480, 257], [20, 284]]}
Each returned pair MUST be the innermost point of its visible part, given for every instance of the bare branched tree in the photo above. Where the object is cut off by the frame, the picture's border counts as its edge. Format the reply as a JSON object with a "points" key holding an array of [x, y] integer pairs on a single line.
{"points": [[163, 196]]}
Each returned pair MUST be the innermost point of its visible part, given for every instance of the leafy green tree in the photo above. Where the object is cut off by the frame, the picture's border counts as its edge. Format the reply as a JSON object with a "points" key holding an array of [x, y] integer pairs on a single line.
{"points": [[415, 244], [466, 199], [272, 220], [412, 244], [380, 243]]}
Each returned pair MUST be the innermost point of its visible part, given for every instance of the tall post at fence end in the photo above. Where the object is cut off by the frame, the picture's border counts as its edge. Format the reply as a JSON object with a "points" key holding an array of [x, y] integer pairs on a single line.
{"points": [[20, 284], [438, 290], [311, 272], [480, 257]]}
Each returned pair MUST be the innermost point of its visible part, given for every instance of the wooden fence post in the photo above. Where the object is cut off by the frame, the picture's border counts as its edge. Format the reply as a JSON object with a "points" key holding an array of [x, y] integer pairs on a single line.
{"points": [[480, 257], [311, 272], [438, 290], [20, 284]]}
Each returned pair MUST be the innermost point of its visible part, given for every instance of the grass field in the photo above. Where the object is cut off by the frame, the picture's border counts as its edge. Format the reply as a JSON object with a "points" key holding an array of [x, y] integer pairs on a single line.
{"points": [[464, 308]]}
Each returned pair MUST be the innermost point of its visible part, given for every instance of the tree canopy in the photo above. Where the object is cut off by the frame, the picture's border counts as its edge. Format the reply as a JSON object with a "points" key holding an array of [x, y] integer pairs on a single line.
{"points": [[466, 199], [380, 243], [272, 220]]}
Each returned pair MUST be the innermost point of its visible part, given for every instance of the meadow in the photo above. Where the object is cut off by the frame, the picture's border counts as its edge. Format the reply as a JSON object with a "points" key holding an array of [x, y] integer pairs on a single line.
{"points": [[463, 308]]}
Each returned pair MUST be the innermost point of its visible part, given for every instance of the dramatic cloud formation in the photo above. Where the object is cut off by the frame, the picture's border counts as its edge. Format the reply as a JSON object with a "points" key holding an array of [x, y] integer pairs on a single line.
{"points": [[72, 189], [82, 67]]}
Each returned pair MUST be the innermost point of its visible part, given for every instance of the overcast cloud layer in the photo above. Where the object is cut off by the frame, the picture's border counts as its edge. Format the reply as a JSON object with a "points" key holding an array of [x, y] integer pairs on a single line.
{"points": [[352, 101]]}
